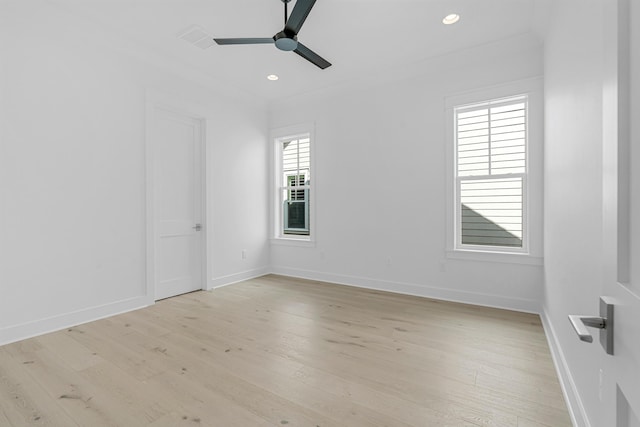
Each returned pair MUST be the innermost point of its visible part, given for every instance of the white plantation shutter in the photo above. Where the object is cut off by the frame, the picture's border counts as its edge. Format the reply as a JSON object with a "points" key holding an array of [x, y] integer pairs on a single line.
{"points": [[296, 155], [491, 168]]}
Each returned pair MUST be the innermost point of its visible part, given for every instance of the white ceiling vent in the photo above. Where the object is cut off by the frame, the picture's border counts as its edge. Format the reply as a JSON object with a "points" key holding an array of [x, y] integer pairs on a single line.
{"points": [[197, 37]]}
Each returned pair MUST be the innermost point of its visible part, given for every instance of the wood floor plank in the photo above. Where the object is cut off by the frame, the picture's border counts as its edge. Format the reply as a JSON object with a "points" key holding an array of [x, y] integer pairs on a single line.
{"points": [[279, 376], [23, 402], [88, 403], [75, 355], [197, 403], [277, 351]]}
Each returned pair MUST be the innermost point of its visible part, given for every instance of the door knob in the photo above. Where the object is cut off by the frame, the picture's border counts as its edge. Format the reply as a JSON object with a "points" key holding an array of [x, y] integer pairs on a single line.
{"points": [[604, 322], [197, 227], [579, 324]]}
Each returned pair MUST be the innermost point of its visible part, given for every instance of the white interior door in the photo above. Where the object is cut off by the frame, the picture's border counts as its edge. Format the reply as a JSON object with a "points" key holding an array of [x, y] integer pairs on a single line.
{"points": [[178, 208], [621, 214]]}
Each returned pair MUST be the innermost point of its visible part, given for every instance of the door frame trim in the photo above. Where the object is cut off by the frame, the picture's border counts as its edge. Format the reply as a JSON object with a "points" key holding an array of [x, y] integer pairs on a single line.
{"points": [[156, 100]]}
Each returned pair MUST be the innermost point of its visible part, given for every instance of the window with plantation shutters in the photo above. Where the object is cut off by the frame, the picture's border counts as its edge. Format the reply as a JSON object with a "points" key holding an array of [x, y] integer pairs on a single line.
{"points": [[294, 155], [491, 174]]}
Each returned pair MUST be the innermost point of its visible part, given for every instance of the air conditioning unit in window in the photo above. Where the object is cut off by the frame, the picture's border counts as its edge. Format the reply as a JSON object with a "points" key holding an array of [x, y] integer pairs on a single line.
{"points": [[296, 215]]}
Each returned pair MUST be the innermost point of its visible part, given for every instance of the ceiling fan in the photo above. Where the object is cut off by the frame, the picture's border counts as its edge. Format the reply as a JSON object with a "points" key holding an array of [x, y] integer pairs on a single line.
{"points": [[287, 39]]}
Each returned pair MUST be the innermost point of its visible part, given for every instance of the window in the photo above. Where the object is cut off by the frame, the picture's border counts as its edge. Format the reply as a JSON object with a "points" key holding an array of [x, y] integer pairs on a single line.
{"points": [[491, 175], [293, 186]]}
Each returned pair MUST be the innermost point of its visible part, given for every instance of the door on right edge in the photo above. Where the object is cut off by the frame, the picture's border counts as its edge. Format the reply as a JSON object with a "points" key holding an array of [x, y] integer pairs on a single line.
{"points": [[621, 210]]}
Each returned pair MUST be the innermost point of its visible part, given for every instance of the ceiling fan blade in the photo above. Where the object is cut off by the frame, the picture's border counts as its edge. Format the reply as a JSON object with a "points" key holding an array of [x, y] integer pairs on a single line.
{"points": [[298, 15], [311, 56], [264, 40]]}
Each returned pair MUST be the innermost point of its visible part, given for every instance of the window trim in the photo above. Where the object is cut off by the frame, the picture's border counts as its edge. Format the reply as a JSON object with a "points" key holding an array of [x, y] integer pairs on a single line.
{"points": [[531, 252], [276, 137]]}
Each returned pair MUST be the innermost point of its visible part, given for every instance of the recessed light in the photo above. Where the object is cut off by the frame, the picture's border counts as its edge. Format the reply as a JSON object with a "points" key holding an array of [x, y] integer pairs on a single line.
{"points": [[273, 77], [451, 19]]}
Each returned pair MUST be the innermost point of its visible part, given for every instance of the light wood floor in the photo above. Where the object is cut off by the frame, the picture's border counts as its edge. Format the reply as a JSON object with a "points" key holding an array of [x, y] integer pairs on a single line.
{"points": [[277, 351]]}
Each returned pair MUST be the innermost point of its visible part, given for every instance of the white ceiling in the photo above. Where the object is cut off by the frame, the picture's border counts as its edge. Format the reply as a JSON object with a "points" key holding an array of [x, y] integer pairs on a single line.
{"points": [[357, 36]]}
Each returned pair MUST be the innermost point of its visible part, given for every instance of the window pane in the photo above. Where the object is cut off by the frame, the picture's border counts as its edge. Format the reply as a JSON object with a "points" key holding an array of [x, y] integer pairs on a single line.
{"points": [[491, 212], [491, 141], [296, 156], [295, 214]]}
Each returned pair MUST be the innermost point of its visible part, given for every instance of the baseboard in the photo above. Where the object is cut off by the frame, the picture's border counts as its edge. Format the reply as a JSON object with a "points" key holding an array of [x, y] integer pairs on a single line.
{"points": [[55, 323], [485, 300], [230, 279], [572, 398], [37, 327]]}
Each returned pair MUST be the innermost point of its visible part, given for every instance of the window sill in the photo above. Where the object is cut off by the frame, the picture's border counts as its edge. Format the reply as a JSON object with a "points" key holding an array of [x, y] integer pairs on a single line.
{"points": [[293, 241], [490, 256]]}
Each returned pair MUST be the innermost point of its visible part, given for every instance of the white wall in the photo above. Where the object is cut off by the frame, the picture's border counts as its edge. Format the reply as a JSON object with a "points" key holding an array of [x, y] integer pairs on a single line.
{"points": [[72, 172], [573, 193], [380, 182]]}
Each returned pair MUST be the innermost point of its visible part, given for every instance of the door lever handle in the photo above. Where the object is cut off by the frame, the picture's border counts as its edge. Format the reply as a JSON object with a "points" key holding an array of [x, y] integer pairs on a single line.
{"points": [[197, 227], [580, 323], [604, 322]]}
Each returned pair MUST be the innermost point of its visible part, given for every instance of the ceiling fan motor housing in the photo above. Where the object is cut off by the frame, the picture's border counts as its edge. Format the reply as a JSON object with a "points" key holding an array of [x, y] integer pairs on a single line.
{"points": [[285, 41]]}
